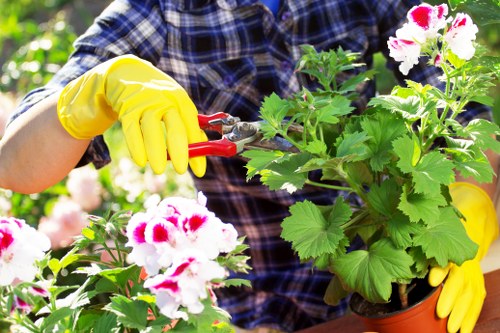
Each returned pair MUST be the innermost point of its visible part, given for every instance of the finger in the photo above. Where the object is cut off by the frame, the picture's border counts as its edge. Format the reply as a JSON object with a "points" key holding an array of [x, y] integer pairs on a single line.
{"points": [[451, 288], [189, 115], [177, 141], [459, 310], [135, 142], [472, 315], [475, 280], [438, 274], [199, 164], [153, 132]]}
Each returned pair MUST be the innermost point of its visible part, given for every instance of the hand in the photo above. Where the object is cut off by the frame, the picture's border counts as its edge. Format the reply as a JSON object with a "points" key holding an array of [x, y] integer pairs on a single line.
{"points": [[462, 296], [156, 113], [463, 292]]}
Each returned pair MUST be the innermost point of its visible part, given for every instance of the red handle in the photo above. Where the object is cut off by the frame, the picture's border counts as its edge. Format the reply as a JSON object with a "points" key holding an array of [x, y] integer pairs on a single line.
{"points": [[204, 121], [222, 147]]}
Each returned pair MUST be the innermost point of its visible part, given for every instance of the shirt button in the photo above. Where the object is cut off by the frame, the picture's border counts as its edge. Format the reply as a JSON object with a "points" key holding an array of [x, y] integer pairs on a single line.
{"points": [[286, 15]]}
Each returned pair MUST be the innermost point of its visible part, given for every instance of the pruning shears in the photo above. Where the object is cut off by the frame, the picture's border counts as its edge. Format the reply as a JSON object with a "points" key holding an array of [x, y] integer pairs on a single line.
{"points": [[237, 135]]}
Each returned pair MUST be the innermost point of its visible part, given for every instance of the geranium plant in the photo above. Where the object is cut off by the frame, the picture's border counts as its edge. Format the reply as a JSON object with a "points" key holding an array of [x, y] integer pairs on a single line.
{"points": [[398, 158], [143, 272]]}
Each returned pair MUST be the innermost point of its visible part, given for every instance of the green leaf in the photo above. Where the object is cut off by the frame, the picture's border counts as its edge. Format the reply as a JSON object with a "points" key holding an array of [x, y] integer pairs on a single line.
{"points": [[401, 230], [419, 206], [430, 171], [310, 233], [483, 12], [408, 108], [445, 239], [351, 144], [106, 323], [316, 147], [335, 292], [405, 150], [371, 273], [382, 128], [338, 106], [55, 265], [385, 198], [56, 317], [121, 275], [284, 175], [260, 160], [483, 132], [237, 283], [130, 313], [273, 111]]}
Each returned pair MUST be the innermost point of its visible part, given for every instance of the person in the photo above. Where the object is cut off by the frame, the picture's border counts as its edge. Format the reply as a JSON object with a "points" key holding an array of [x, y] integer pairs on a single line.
{"points": [[153, 65]]}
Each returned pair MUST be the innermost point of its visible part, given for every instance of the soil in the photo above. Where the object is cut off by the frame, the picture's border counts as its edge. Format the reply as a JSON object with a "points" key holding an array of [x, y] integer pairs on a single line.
{"points": [[372, 310]]}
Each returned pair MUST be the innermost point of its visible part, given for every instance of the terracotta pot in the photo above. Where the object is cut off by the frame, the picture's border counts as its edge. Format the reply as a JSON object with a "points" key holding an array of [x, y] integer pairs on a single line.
{"points": [[418, 318]]}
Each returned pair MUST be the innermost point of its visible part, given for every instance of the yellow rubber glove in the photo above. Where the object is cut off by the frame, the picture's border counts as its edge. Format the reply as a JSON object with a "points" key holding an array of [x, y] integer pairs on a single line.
{"points": [[156, 113], [463, 292]]}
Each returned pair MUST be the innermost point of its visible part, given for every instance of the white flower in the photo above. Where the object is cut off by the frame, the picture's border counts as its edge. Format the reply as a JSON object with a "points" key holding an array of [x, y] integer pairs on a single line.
{"points": [[460, 35], [84, 187], [185, 284], [20, 246], [405, 51]]}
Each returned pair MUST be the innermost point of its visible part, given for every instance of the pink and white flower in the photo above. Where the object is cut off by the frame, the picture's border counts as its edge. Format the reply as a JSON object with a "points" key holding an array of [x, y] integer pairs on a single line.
{"points": [[185, 283], [460, 36], [405, 51], [178, 242], [20, 246]]}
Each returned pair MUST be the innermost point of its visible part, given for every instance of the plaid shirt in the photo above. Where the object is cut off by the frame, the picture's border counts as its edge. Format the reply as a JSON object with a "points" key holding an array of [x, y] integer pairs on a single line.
{"points": [[228, 55]]}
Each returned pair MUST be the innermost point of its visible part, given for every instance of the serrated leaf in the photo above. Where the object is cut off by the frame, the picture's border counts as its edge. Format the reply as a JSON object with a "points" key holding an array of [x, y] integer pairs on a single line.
{"points": [[382, 128], [401, 230], [285, 175], [131, 313], [384, 198], [445, 239], [419, 206], [408, 108], [121, 275], [316, 147], [484, 132], [372, 272], [259, 160], [351, 144], [404, 149], [432, 171], [310, 233], [273, 111]]}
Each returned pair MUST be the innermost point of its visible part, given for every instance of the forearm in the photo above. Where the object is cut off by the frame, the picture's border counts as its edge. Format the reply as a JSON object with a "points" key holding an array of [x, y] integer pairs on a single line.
{"points": [[36, 152]]}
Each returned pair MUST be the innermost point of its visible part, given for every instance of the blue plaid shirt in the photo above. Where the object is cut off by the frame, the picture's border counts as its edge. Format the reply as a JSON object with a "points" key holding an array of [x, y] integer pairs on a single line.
{"points": [[229, 55]]}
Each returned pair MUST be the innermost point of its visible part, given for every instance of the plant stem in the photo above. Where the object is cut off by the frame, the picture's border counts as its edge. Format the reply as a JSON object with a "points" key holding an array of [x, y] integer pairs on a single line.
{"points": [[403, 295], [331, 187]]}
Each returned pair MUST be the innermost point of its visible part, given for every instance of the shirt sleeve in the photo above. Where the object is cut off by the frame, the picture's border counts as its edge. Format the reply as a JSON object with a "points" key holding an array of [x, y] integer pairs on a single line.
{"points": [[391, 15], [124, 27]]}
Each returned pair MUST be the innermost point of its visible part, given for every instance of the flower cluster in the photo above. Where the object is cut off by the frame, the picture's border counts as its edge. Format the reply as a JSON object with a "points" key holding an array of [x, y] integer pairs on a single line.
{"points": [[181, 238], [20, 247], [418, 36]]}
